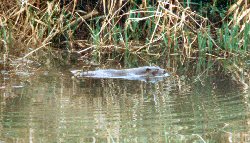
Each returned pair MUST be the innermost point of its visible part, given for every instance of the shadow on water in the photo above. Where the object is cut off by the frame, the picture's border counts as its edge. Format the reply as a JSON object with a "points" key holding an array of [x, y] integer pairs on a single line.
{"points": [[53, 107]]}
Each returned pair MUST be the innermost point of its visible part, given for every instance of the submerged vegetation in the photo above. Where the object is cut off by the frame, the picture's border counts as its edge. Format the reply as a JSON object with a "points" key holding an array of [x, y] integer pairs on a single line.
{"points": [[173, 32]]}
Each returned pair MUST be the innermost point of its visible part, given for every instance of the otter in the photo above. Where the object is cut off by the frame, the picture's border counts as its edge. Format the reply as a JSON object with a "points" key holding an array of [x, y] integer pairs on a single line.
{"points": [[140, 73]]}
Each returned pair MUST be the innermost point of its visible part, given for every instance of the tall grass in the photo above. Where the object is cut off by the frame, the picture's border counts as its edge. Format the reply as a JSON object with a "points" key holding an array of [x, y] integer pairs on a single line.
{"points": [[30, 27], [165, 19], [123, 23]]}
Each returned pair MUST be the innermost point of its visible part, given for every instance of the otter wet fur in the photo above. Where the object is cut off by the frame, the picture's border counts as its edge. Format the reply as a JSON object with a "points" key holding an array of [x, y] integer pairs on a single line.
{"points": [[141, 73]]}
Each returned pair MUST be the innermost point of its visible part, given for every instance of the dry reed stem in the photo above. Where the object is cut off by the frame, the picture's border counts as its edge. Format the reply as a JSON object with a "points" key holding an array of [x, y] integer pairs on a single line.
{"points": [[177, 20], [31, 25], [240, 11], [108, 21]]}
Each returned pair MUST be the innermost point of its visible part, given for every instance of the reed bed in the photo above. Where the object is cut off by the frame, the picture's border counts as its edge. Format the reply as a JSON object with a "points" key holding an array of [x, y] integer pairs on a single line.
{"points": [[27, 28]]}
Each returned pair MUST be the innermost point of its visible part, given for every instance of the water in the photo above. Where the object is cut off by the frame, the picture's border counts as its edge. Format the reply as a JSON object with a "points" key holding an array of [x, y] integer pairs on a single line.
{"points": [[53, 107]]}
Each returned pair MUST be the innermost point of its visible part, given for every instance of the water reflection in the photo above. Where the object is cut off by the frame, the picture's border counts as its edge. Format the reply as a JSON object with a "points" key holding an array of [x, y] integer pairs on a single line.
{"points": [[55, 108]]}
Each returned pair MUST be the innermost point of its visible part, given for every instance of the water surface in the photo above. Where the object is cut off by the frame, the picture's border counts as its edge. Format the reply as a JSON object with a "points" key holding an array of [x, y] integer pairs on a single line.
{"points": [[53, 107]]}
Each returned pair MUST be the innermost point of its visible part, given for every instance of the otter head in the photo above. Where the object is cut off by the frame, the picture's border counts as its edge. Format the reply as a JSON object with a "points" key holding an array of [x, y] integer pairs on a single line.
{"points": [[155, 71]]}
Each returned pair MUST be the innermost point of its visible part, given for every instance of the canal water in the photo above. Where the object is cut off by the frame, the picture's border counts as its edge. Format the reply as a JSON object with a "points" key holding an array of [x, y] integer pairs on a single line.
{"points": [[51, 106]]}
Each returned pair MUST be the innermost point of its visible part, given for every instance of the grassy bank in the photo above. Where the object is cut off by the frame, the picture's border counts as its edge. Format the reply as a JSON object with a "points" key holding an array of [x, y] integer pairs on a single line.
{"points": [[126, 32]]}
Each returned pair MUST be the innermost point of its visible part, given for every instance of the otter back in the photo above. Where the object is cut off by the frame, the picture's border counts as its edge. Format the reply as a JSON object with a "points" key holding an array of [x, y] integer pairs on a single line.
{"points": [[141, 73]]}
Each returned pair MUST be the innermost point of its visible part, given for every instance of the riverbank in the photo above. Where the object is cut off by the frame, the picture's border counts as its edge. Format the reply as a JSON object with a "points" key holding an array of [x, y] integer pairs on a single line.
{"points": [[128, 34]]}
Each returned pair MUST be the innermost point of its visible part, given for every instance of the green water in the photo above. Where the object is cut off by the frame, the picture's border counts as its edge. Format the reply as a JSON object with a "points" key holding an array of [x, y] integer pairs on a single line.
{"points": [[52, 107]]}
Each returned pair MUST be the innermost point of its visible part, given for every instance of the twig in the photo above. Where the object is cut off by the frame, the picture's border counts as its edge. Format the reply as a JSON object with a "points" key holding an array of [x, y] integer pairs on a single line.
{"points": [[35, 50]]}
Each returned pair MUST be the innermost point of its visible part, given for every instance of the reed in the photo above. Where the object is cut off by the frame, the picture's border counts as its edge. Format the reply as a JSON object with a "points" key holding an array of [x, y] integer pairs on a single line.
{"points": [[149, 22], [30, 27]]}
